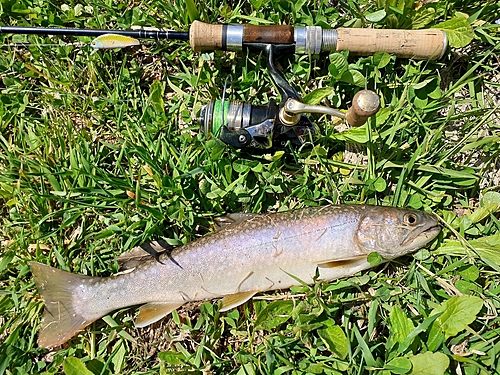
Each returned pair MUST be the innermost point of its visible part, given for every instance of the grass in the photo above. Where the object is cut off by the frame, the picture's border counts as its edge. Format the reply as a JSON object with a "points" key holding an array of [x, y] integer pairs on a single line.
{"points": [[101, 152]]}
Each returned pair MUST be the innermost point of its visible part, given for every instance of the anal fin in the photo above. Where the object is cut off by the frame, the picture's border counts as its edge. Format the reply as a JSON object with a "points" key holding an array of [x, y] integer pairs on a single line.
{"points": [[154, 311], [232, 300]]}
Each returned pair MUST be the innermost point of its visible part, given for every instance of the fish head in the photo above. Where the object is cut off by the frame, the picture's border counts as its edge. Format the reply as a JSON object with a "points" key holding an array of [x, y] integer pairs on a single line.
{"points": [[393, 232]]}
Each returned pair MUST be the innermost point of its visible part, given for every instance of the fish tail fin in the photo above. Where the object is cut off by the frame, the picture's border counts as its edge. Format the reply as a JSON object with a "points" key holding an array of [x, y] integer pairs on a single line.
{"points": [[61, 320]]}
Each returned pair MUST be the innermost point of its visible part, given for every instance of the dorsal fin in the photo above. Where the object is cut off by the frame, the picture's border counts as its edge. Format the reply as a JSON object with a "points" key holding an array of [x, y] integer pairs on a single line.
{"points": [[139, 254], [231, 219]]}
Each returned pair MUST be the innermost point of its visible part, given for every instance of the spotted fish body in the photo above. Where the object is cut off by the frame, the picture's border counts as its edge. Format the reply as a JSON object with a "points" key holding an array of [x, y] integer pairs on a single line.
{"points": [[107, 41], [256, 253]]}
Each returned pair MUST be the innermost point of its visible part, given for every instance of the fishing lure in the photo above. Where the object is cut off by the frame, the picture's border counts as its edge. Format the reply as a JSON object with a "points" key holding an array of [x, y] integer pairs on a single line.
{"points": [[107, 41]]}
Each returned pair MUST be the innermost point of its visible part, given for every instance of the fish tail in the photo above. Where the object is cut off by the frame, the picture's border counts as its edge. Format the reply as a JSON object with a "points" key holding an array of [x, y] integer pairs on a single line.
{"points": [[61, 320]]}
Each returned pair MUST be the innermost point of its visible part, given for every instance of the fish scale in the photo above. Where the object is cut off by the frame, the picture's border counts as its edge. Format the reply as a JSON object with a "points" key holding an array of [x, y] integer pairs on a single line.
{"points": [[253, 254]]}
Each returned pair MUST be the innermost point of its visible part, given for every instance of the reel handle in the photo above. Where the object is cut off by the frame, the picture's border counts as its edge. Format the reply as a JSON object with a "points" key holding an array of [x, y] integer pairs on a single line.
{"points": [[365, 104]]}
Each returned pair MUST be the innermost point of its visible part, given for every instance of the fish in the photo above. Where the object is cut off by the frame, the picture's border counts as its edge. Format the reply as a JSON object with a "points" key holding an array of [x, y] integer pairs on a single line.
{"points": [[107, 41], [249, 254]]}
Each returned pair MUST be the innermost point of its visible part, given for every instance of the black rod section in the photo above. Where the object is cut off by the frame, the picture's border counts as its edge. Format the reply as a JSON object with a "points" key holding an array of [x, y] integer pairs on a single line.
{"points": [[138, 34]]}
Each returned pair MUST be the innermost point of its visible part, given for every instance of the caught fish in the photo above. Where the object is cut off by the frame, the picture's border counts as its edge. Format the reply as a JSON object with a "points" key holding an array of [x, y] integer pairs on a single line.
{"points": [[248, 255], [107, 41]]}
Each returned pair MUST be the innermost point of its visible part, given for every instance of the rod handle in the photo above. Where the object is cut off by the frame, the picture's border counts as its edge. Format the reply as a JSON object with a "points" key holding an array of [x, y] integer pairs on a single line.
{"points": [[205, 36], [273, 34], [425, 44], [364, 105], [209, 37]]}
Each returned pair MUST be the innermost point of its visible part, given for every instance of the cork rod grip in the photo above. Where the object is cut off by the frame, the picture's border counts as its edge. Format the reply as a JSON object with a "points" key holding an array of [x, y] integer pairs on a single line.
{"points": [[428, 44], [205, 36]]}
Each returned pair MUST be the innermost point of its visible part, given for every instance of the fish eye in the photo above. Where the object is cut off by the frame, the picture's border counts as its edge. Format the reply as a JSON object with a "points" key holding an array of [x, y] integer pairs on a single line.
{"points": [[411, 219]]}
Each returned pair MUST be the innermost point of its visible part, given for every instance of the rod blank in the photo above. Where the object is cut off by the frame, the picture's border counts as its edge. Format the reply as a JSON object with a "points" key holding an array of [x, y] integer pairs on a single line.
{"points": [[138, 34]]}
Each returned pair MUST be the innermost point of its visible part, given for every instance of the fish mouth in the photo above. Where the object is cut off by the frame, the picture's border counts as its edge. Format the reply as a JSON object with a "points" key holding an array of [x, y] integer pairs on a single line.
{"points": [[421, 238], [431, 232]]}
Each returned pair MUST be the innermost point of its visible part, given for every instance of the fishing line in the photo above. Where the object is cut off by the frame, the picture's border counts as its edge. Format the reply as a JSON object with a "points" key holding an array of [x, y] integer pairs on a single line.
{"points": [[26, 45], [104, 41], [223, 98], [75, 44]]}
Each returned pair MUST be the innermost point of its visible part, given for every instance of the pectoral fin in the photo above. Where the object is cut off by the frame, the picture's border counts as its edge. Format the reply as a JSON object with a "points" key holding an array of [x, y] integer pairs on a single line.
{"points": [[342, 262], [152, 312], [232, 300]]}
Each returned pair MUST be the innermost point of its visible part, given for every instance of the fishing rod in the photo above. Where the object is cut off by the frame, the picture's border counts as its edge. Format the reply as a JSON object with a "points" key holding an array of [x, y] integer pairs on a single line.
{"points": [[425, 44], [243, 124]]}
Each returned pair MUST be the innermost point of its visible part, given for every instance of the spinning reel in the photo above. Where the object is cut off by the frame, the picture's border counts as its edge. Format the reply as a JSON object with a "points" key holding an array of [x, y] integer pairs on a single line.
{"points": [[243, 124]]}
